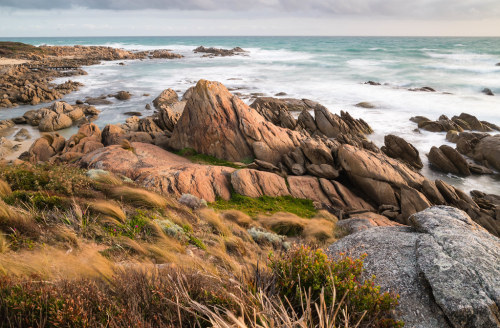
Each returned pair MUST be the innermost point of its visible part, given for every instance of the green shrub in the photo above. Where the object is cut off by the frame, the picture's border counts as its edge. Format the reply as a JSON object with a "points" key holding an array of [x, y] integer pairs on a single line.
{"points": [[305, 270], [195, 157], [37, 200], [267, 205]]}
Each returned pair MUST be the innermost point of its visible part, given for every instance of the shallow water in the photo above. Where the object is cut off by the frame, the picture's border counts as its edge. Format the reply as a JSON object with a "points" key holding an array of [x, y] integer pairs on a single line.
{"points": [[329, 70]]}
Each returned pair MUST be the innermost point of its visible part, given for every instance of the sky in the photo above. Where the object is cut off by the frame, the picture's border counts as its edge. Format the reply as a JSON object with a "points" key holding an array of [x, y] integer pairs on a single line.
{"points": [[24, 18]]}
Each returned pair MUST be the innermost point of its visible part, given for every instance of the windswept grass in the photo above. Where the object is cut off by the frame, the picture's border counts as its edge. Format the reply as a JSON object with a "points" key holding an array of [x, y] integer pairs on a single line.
{"points": [[266, 205], [4, 189], [136, 196], [238, 217], [107, 208]]}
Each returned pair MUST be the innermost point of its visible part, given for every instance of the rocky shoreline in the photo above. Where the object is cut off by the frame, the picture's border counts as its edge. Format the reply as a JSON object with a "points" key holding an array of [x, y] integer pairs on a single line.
{"points": [[284, 147]]}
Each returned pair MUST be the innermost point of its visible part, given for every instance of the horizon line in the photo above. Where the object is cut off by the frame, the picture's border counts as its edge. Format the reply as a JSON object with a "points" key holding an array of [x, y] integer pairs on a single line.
{"points": [[252, 36]]}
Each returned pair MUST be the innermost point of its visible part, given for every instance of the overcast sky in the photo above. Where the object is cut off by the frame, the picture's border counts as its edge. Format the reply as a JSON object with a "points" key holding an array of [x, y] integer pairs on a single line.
{"points": [[249, 17]]}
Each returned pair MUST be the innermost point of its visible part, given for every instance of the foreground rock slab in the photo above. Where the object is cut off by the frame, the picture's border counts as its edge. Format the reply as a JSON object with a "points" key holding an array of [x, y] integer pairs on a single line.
{"points": [[445, 267]]}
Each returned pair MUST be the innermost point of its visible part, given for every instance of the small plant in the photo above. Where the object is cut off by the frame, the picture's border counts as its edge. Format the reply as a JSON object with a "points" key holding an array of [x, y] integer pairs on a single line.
{"points": [[304, 270], [195, 157], [262, 237]]}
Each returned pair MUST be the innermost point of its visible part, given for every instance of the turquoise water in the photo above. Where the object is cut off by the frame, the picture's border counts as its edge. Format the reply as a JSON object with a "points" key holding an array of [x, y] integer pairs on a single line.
{"points": [[330, 70]]}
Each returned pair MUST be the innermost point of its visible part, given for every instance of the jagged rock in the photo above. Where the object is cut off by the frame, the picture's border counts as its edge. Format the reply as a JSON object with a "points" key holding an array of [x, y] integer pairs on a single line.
{"points": [[188, 93], [219, 51], [473, 122], [6, 147], [216, 123], [168, 115], [372, 83], [397, 147], [97, 101], [342, 198], [487, 151], [488, 92], [270, 107], [412, 201], [322, 171], [419, 119], [448, 160], [166, 98], [253, 183], [332, 125], [122, 95], [452, 136], [479, 169], [445, 268], [307, 187], [148, 125]]}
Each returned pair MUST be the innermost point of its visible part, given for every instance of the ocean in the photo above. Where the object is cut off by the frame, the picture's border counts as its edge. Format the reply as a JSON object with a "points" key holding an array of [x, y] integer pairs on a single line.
{"points": [[330, 70]]}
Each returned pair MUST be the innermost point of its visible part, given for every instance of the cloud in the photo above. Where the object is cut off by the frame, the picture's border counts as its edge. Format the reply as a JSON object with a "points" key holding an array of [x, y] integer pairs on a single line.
{"points": [[391, 8]]}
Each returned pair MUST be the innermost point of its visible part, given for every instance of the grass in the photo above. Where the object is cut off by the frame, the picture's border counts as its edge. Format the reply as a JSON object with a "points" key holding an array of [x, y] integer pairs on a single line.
{"points": [[137, 196], [266, 205], [195, 157], [107, 208]]}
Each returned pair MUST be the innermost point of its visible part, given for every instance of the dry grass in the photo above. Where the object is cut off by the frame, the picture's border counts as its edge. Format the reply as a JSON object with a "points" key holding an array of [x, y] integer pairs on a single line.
{"points": [[286, 224], [108, 209], [14, 221], [4, 189], [53, 263], [215, 221], [4, 244], [238, 217], [137, 197], [108, 179], [319, 230]]}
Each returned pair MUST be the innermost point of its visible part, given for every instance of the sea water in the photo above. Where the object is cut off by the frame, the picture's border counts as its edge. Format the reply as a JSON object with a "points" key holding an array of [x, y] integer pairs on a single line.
{"points": [[330, 70]]}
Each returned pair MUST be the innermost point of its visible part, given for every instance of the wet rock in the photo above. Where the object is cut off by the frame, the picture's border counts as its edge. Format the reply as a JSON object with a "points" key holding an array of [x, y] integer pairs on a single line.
{"points": [[487, 151], [22, 135], [448, 160], [445, 267], [281, 94], [6, 147], [6, 124], [365, 104], [397, 147], [473, 122], [122, 95], [419, 119], [487, 92], [97, 101], [210, 52], [148, 106], [423, 89], [372, 83], [133, 113]]}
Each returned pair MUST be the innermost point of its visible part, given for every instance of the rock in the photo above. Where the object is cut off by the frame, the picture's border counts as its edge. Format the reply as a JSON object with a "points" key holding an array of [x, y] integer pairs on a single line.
{"points": [[280, 94], [253, 183], [148, 106], [419, 119], [323, 171], [488, 92], [262, 104], [6, 124], [112, 135], [187, 94], [479, 169], [22, 135], [448, 160], [398, 148], [497, 64], [79, 102], [412, 201], [122, 95], [452, 136], [487, 151], [445, 268], [167, 97], [6, 147], [298, 169], [364, 221], [365, 104], [216, 123], [133, 113], [169, 115], [45, 147], [307, 187], [424, 89], [341, 197], [431, 126], [474, 123], [148, 125], [192, 202], [97, 101], [53, 122], [19, 120], [219, 51], [332, 125], [372, 83]]}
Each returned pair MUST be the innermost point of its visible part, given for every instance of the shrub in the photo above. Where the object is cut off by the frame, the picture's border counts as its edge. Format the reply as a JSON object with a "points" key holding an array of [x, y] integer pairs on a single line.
{"points": [[238, 217], [284, 223], [37, 200], [262, 237], [304, 270]]}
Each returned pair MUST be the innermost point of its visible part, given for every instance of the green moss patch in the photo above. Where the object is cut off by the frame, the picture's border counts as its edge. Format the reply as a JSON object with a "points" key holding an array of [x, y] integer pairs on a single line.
{"points": [[267, 205]]}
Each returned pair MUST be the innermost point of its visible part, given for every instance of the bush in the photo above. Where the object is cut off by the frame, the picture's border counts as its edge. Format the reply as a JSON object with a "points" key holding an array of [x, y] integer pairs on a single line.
{"points": [[305, 272]]}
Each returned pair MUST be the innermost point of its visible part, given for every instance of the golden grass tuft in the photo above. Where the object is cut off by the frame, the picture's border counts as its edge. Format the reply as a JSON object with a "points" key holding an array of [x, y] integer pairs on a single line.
{"points": [[214, 220], [125, 144], [108, 209], [137, 197], [4, 189], [324, 214], [287, 224], [108, 179], [11, 219], [4, 244], [238, 217], [319, 230]]}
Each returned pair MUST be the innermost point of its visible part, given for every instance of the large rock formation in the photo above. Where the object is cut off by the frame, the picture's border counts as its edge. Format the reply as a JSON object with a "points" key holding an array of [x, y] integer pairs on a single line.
{"points": [[445, 267], [448, 160], [216, 123]]}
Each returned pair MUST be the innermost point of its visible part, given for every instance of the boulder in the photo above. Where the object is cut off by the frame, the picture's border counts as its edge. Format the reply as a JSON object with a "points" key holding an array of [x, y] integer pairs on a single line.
{"points": [[45, 147], [166, 98], [473, 122], [365, 104], [168, 115], [53, 121], [122, 95], [192, 202], [488, 92], [444, 267], [363, 221], [6, 124], [397, 147], [448, 160], [487, 151]]}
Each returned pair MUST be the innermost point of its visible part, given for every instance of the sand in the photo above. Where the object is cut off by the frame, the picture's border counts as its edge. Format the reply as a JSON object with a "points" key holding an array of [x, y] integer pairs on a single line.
{"points": [[10, 61]]}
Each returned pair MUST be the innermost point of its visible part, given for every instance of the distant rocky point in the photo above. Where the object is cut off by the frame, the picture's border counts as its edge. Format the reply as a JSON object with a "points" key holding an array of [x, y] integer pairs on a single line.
{"points": [[212, 52]]}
